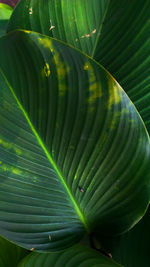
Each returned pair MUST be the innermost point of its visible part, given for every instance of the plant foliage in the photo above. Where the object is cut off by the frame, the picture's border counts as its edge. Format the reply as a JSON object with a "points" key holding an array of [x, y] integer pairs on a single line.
{"points": [[74, 141]]}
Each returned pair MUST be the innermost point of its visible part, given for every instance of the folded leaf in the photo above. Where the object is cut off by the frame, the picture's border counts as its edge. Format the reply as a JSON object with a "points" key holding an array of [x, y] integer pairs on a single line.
{"points": [[116, 33], [74, 153], [76, 256]]}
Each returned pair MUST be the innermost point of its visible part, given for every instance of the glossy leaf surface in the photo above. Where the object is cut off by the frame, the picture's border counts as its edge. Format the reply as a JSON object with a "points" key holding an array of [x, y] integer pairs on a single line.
{"points": [[5, 13], [76, 22], [132, 249], [74, 153], [116, 33], [10, 254], [76, 256]]}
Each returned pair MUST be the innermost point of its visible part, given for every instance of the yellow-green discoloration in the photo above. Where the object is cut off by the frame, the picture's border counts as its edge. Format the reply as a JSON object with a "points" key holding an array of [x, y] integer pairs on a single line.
{"points": [[26, 31], [10, 146], [61, 67], [85, 67], [35, 179], [46, 70], [95, 86], [62, 71], [7, 168], [47, 43], [75, 177], [115, 95]]}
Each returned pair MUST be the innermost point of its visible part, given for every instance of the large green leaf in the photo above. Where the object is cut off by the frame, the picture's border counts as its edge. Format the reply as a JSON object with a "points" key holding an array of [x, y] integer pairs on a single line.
{"points": [[5, 13], [74, 152], [77, 256], [10, 254], [132, 249], [76, 22], [116, 33]]}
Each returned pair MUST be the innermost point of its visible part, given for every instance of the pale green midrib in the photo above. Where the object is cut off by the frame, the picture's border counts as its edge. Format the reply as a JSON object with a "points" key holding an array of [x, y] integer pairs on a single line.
{"points": [[99, 31], [82, 218]]}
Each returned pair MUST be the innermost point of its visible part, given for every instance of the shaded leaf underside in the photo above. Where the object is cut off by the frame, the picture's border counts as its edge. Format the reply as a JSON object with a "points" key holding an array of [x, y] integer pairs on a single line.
{"points": [[65, 162]]}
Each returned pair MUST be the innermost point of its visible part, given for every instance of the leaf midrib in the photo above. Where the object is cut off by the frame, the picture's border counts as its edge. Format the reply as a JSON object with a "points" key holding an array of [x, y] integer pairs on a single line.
{"points": [[62, 180]]}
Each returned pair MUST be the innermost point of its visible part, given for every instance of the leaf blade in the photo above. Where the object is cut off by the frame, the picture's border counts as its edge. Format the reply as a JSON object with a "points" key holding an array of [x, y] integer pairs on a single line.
{"points": [[121, 40], [84, 119], [76, 256], [136, 240]]}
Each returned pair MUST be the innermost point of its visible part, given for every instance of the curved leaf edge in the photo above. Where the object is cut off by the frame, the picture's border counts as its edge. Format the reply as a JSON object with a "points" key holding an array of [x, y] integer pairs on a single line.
{"points": [[76, 49], [76, 249], [41, 142]]}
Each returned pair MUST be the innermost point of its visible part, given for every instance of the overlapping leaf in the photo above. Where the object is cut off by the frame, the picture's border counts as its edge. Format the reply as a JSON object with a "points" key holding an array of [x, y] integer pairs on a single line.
{"points": [[10, 254], [76, 22], [116, 33], [76, 256], [132, 248], [74, 153]]}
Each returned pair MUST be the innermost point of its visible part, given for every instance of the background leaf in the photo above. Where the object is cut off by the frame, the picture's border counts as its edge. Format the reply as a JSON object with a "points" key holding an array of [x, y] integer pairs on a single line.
{"points": [[5, 13], [132, 248], [10, 254], [124, 49], [76, 22], [74, 151], [116, 33], [76, 256]]}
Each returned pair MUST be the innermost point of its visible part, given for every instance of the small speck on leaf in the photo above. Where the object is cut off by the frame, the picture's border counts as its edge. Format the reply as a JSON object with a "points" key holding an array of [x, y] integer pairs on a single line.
{"points": [[94, 31], [81, 189], [30, 10], [32, 249], [52, 27]]}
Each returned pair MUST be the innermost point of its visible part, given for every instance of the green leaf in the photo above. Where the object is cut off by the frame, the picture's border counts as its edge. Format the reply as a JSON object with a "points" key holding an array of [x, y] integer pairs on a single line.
{"points": [[74, 152], [76, 22], [10, 254], [132, 248], [5, 13], [124, 49], [116, 33], [76, 256]]}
